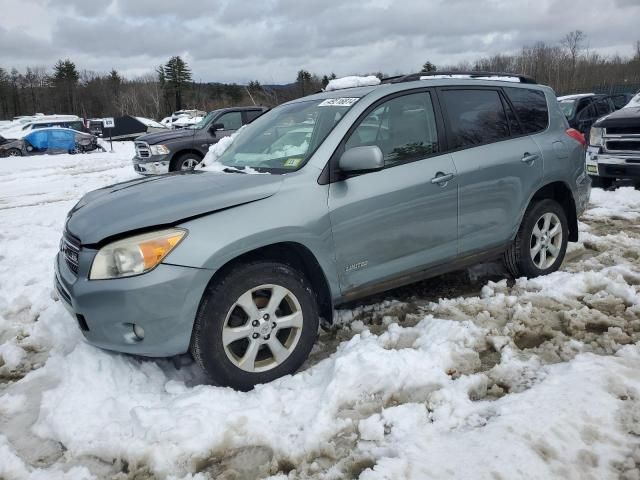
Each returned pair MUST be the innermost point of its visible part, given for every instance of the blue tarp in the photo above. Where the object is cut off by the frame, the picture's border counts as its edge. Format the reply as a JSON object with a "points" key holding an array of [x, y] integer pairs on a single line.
{"points": [[52, 140]]}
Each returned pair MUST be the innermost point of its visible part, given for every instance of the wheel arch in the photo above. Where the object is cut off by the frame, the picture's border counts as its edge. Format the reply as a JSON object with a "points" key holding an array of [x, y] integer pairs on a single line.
{"points": [[295, 255], [561, 193]]}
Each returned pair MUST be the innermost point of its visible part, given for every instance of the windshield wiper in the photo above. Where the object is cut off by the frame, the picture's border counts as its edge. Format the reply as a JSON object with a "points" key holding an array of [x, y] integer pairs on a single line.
{"points": [[233, 170]]}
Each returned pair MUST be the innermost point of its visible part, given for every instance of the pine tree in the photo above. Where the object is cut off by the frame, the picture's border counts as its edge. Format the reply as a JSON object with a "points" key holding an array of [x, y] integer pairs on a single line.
{"points": [[114, 81], [429, 67], [65, 80], [177, 76], [4, 92], [303, 78], [16, 80]]}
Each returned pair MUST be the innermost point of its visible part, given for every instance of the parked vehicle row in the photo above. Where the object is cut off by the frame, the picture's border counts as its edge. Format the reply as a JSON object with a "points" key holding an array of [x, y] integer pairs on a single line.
{"points": [[50, 141], [361, 190], [25, 125]]}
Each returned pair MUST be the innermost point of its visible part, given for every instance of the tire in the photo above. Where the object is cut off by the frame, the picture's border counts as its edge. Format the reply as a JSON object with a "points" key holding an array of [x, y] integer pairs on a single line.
{"points": [[185, 162], [220, 312], [601, 182], [519, 257], [12, 152]]}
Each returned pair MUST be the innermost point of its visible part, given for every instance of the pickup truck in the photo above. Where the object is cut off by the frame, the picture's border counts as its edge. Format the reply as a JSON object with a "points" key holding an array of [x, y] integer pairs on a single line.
{"points": [[614, 146], [183, 149]]}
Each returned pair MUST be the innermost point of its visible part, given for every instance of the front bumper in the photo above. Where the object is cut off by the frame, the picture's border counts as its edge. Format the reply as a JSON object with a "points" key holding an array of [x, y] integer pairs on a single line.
{"points": [[611, 165], [163, 302], [153, 165]]}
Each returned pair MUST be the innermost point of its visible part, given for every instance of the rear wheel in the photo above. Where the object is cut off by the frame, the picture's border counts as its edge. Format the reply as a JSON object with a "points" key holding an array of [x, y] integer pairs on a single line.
{"points": [[185, 162], [601, 182], [541, 242], [259, 322]]}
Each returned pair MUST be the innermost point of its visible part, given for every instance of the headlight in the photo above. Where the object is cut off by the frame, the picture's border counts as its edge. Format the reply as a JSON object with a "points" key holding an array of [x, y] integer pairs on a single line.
{"points": [[595, 136], [134, 255], [158, 150]]}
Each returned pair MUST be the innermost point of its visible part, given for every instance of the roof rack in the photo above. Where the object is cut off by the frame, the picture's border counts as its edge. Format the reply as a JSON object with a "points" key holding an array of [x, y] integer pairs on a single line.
{"points": [[477, 75]]}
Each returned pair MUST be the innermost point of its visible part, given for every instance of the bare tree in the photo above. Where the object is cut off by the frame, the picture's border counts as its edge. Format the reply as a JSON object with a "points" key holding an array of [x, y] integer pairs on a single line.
{"points": [[573, 42]]}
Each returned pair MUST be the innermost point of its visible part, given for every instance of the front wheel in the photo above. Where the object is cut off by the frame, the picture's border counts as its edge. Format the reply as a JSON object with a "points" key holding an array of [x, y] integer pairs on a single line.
{"points": [[541, 242], [185, 162], [257, 323], [12, 152]]}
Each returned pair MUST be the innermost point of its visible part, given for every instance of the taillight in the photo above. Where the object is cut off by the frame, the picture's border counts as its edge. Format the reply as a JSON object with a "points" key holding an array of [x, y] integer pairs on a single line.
{"points": [[576, 135]]}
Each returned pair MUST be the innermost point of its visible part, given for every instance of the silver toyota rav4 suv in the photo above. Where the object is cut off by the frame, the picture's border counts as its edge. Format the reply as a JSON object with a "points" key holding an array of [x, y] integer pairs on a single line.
{"points": [[323, 200]]}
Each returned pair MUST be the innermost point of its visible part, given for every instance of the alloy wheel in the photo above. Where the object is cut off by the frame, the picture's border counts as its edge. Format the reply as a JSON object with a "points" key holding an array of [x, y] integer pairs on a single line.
{"points": [[262, 328], [546, 241], [189, 164]]}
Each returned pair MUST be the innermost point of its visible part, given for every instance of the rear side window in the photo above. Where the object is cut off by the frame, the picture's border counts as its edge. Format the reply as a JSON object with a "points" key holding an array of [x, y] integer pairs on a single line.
{"points": [[251, 115], [531, 108], [475, 117], [603, 107], [230, 120]]}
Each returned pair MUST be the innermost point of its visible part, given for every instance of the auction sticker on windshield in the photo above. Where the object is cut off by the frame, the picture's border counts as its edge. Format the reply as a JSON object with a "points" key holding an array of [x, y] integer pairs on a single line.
{"points": [[292, 162], [338, 102]]}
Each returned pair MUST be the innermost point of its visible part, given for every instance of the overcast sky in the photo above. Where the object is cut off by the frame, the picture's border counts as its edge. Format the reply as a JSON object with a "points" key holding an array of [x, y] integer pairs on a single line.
{"points": [[270, 40]]}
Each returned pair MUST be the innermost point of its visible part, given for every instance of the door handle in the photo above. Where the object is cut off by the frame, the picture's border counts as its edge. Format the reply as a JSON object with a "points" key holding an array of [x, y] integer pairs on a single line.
{"points": [[442, 178], [529, 158]]}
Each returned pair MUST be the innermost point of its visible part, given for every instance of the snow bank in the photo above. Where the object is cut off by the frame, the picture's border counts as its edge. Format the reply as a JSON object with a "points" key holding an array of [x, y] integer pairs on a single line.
{"points": [[472, 379], [351, 82], [622, 203]]}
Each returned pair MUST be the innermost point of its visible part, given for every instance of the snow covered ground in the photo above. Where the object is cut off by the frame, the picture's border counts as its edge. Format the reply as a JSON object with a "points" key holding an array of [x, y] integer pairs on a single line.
{"points": [[463, 376]]}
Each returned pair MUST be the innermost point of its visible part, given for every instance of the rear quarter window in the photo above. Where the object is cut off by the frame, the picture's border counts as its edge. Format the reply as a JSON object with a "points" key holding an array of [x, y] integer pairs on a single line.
{"points": [[251, 115], [476, 117], [531, 108]]}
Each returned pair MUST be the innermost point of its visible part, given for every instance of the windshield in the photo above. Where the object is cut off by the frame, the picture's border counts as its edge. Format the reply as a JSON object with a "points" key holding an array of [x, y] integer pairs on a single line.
{"points": [[204, 122], [283, 139], [567, 107]]}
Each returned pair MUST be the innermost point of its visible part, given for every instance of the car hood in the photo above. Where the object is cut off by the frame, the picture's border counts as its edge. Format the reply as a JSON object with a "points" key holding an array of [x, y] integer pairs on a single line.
{"points": [[163, 201], [625, 117], [161, 137]]}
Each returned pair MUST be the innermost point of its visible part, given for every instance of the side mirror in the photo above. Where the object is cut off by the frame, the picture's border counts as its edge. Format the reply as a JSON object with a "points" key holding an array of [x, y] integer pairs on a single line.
{"points": [[216, 127], [361, 159]]}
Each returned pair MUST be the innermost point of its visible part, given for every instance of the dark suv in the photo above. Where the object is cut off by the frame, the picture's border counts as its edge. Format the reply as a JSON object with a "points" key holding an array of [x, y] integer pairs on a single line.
{"points": [[183, 149], [582, 110]]}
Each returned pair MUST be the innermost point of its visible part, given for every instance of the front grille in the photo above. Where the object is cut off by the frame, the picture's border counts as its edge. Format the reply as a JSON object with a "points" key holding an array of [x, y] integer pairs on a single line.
{"points": [[142, 149], [623, 130], [70, 248], [623, 145]]}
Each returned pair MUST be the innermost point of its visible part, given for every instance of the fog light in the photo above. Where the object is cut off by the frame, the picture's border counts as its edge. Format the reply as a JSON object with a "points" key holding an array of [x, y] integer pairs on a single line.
{"points": [[592, 169], [138, 331]]}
